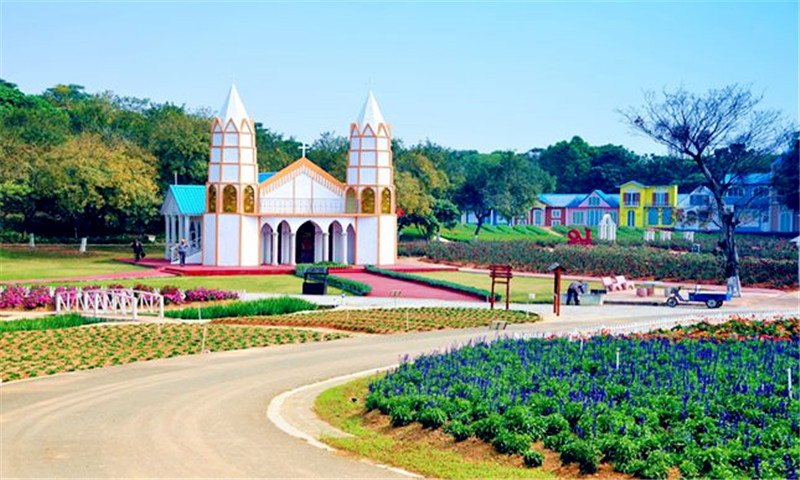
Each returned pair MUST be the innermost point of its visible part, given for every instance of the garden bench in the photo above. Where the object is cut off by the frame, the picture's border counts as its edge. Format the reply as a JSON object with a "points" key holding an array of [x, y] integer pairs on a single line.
{"points": [[610, 284], [623, 283]]}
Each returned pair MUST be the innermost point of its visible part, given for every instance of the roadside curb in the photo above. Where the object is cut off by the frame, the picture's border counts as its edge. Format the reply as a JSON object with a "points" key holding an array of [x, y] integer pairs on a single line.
{"points": [[275, 415]]}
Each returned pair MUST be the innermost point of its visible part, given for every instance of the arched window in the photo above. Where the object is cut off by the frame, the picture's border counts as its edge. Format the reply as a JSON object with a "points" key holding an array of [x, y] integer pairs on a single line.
{"points": [[212, 199], [350, 201], [229, 199], [368, 201], [386, 201], [249, 199]]}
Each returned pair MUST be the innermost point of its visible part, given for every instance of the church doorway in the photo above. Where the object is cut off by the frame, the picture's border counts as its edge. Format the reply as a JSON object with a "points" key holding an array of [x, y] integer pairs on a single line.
{"points": [[351, 245], [304, 250]]}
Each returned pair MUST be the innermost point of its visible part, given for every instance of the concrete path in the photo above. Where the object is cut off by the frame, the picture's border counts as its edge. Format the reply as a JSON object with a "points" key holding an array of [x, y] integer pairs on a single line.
{"points": [[204, 416]]}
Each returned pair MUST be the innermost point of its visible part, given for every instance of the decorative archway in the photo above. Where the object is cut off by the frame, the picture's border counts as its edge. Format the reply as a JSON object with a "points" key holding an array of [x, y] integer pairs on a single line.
{"points": [[350, 201], [335, 243], [266, 245], [249, 199], [306, 243], [229, 199], [212, 199], [368, 200], [351, 245], [386, 201], [284, 248]]}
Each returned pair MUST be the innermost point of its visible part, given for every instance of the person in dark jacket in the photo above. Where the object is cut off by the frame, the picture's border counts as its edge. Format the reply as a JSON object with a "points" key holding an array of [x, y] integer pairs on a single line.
{"points": [[182, 249], [137, 249], [573, 291]]}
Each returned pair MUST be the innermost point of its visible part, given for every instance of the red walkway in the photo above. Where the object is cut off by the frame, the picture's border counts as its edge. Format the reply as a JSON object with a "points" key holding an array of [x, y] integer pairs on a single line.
{"points": [[382, 286]]}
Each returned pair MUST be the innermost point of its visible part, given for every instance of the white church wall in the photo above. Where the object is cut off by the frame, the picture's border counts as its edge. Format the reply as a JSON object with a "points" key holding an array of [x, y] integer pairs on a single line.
{"points": [[368, 159], [388, 231], [229, 238], [384, 176], [209, 240], [247, 155], [367, 240], [302, 186], [213, 173], [230, 155], [352, 176], [383, 159], [248, 173], [368, 176], [250, 235], [230, 173]]}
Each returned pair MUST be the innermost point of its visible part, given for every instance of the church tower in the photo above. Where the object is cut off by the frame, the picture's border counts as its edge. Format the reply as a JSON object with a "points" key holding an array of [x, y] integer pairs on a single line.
{"points": [[231, 223], [370, 192]]}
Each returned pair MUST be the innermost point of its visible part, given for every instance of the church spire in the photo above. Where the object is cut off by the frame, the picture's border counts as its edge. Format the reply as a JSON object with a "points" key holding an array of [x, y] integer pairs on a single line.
{"points": [[370, 114], [233, 108]]}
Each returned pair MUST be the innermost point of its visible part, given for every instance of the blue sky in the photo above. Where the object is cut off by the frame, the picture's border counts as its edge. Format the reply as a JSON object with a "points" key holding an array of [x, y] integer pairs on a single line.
{"points": [[477, 75]]}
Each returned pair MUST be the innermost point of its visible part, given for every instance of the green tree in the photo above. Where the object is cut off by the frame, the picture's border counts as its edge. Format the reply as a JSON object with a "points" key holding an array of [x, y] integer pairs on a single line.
{"points": [[786, 175], [329, 151], [570, 163]]}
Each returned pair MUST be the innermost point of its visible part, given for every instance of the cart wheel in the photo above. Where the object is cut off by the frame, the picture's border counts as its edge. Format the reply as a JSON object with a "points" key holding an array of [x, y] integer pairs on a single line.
{"points": [[713, 303], [672, 302]]}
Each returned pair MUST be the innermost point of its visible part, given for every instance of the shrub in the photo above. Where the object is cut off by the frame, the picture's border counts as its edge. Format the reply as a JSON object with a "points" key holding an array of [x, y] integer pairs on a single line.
{"points": [[262, 307], [432, 418], [657, 465], [459, 430], [171, 295], [511, 442], [401, 415], [12, 297], [584, 453], [47, 323], [555, 424], [533, 458], [521, 419], [487, 428]]}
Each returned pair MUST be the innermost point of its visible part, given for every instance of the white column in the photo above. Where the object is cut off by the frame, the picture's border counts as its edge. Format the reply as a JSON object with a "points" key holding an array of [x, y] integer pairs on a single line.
{"points": [[173, 232], [324, 246], [343, 248], [274, 248], [186, 229], [166, 237], [291, 250]]}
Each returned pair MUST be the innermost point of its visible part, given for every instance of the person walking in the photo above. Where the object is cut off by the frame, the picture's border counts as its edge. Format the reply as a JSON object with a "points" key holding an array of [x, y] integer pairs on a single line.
{"points": [[182, 249], [137, 249], [573, 291]]}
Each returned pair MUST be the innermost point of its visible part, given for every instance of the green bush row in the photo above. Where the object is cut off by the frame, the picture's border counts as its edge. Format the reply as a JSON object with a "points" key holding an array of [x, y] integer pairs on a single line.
{"points": [[48, 323], [601, 260], [351, 286], [456, 287], [261, 307]]}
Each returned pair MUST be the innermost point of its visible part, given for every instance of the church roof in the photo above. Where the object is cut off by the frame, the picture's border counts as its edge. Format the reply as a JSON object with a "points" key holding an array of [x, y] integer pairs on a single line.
{"points": [[233, 108], [298, 165], [190, 199], [370, 114]]}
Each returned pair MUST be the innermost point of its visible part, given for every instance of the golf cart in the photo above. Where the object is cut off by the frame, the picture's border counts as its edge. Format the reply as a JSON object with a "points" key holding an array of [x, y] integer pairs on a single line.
{"points": [[711, 299]]}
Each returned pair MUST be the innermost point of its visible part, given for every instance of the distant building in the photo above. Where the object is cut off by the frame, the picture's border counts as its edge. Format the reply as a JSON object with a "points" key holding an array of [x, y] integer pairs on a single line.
{"points": [[579, 209], [647, 206]]}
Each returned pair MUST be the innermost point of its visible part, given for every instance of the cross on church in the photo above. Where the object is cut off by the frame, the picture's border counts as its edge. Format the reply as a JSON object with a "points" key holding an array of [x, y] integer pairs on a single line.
{"points": [[304, 146]]}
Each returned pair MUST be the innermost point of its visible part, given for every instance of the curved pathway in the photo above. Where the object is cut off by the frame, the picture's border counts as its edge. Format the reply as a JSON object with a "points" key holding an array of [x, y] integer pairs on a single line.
{"points": [[204, 416]]}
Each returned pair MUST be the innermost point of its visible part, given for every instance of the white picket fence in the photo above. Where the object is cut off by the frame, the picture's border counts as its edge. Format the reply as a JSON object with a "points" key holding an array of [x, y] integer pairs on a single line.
{"points": [[110, 303]]}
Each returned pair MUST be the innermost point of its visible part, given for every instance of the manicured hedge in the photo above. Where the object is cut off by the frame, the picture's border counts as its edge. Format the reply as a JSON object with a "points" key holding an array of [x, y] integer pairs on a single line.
{"points": [[351, 286], [634, 262], [456, 287], [262, 307], [48, 323]]}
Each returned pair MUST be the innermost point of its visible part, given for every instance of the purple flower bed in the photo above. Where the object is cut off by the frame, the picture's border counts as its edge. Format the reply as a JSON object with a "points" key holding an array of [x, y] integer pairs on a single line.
{"points": [[12, 297], [207, 294]]}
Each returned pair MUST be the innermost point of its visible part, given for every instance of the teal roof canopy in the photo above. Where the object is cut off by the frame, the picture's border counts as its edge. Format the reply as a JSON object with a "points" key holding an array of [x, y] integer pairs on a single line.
{"points": [[191, 199]]}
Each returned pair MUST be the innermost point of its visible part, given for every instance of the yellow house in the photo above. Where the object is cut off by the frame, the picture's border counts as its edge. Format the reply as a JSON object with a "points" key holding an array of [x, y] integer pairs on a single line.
{"points": [[647, 206]]}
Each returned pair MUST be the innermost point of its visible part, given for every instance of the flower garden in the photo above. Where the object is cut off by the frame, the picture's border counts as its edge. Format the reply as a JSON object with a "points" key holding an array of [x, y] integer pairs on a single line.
{"points": [[32, 353], [42, 296], [391, 320], [694, 402]]}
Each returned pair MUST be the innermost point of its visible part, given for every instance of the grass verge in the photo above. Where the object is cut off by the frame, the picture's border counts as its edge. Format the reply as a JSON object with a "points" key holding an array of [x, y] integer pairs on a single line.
{"points": [[47, 323], [427, 452], [262, 307]]}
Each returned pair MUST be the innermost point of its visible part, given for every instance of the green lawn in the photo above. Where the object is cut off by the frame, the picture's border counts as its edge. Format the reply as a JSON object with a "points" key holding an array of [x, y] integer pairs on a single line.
{"points": [[488, 233], [520, 286], [58, 261]]}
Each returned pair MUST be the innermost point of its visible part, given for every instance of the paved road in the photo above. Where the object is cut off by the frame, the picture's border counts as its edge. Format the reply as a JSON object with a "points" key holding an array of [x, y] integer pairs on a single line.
{"points": [[202, 416]]}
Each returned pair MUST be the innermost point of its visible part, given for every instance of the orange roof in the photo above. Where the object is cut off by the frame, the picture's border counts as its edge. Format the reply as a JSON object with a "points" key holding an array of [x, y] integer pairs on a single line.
{"points": [[300, 163]]}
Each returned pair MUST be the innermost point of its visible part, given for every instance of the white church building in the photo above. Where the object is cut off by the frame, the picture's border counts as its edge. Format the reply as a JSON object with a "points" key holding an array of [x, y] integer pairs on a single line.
{"points": [[301, 214]]}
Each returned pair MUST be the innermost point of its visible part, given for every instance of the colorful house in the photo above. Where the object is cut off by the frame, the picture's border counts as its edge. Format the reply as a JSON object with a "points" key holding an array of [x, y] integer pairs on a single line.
{"points": [[579, 209], [647, 206]]}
